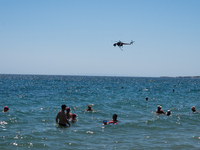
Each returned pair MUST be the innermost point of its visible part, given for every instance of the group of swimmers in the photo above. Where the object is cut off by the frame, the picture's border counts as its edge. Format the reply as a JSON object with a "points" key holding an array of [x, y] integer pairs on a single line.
{"points": [[160, 111], [65, 117]]}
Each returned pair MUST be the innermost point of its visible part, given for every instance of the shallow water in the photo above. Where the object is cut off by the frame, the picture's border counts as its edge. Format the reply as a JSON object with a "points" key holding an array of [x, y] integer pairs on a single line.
{"points": [[34, 102]]}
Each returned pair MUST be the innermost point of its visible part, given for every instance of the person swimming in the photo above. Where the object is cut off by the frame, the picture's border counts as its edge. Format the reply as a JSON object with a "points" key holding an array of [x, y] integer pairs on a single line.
{"points": [[168, 112], [74, 117], [114, 118], [105, 122], [90, 108], [5, 109], [159, 110], [193, 109]]}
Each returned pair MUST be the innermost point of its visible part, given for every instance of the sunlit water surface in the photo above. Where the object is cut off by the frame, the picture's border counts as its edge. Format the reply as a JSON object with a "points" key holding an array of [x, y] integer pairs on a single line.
{"points": [[34, 102]]}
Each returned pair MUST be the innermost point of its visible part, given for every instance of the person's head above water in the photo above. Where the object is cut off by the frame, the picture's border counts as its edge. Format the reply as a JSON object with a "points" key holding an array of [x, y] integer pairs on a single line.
{"points": [[115, 117], [89, 108], [168, 112], [63, 107], [105, 122], [74, 116], [193, 109], [68, 108], [6, 108], [159, 107], [159, 110]]}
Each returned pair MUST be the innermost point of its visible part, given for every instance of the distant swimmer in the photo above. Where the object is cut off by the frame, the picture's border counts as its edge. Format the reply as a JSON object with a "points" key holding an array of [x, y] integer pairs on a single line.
{"points": [[105, 122], [69, 115], [90, 108], [62, 117], [74, 117], [113, 121], [168, 113], [114, 118], [5, 109], [159, 110], [193, 109], [147, 98]]}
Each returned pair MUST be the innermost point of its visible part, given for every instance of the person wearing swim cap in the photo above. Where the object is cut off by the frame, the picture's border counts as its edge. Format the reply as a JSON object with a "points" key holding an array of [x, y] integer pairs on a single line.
{"points": [[90, 108], [5, 109], [105, 122], [74, 117], [159, 110], [193, 109], [62, 117], [69, 115], [168, 113]]}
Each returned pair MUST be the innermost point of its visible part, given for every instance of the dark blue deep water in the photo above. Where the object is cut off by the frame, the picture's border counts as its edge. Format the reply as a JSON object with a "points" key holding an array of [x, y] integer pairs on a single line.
{"points": [[34, 102]]}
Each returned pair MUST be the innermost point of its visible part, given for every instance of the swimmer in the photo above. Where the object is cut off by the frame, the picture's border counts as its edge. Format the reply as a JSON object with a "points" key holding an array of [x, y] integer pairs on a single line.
{"points": [[5, 109], [105, 122], [193, 109], [147, 98], [69, 115], [114, 118], [74, 117], [159, 110], [62, 117], [168, 113], [90, 108]]}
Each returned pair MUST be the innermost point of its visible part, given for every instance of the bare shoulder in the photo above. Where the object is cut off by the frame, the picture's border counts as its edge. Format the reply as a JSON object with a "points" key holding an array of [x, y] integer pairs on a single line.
{"points": [[59, 113]]}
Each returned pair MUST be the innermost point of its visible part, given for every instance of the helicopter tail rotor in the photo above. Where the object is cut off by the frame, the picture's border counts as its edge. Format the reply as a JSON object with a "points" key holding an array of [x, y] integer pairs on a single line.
{"points": [[131, 42]]}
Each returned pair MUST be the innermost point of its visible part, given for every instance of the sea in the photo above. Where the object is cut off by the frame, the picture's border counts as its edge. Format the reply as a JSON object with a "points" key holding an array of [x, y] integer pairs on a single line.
{"points": [[35, 100]]}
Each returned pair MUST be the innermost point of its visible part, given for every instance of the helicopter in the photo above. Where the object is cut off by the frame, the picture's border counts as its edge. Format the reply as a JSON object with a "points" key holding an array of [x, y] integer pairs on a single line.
{"points": [[120, 44]]}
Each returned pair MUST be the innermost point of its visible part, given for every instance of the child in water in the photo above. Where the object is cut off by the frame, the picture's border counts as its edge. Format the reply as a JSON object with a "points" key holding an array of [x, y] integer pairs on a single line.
{"points": [[5, 109], [74, 117], [105, 122]]}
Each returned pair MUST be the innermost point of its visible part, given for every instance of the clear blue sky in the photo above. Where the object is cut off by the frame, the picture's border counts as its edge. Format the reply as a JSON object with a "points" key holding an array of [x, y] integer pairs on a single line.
{"points": [[74, 37]]}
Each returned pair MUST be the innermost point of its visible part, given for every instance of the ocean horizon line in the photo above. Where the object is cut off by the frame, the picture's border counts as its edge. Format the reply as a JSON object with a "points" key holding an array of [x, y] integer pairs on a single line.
{"points": [[97, 75]]}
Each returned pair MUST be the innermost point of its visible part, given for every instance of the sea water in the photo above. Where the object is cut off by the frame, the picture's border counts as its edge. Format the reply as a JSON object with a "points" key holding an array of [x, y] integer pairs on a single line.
{"points": [[34, 102]]}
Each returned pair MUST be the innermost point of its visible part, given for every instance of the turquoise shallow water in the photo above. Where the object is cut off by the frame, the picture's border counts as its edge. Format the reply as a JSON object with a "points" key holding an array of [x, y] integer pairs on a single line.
{"points": [[34, 102]]}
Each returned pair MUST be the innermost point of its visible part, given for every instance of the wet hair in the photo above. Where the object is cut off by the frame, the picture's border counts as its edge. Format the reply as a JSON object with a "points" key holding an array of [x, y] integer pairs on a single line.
{"points": [[193, 109], [63, 106], [115, 115], [168, 112], [159, 107]]}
